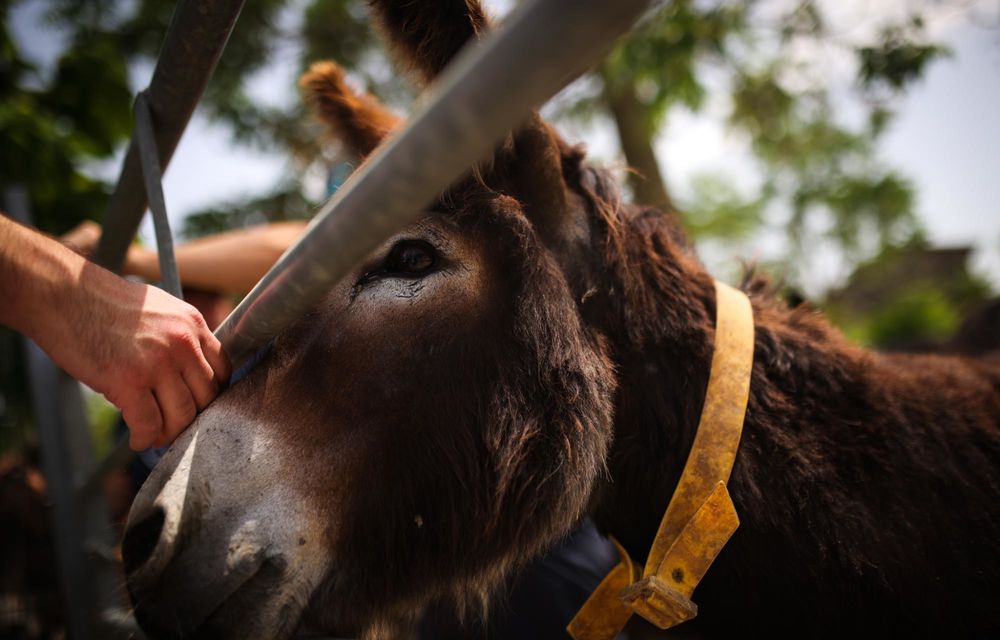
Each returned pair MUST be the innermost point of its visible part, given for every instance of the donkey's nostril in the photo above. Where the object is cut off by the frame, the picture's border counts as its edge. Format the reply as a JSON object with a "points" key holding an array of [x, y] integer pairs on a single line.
{"points": [[141, 539]]}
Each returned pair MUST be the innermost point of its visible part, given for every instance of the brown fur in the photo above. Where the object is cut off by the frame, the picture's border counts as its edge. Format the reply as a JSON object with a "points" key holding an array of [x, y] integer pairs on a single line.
{"points": [[446, 428], [359, 120], [425, 36]]}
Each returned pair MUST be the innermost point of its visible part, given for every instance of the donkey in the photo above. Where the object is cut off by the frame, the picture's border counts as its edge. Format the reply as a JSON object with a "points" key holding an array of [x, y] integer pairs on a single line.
{"points": [[536, 349]]}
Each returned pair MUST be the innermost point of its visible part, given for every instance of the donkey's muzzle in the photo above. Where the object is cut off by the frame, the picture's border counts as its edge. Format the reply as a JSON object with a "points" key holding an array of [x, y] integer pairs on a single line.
{"points": [[205, 553]]}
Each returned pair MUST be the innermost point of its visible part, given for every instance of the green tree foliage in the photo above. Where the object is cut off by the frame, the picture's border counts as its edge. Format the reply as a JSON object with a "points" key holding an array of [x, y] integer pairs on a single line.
{"points": [[823, 180], [56, 123], [52, 125], [720, 211], [653, 71], [907, 297]]}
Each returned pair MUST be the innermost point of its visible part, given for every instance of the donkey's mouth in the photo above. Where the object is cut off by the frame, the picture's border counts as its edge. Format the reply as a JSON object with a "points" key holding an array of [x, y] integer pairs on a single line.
{"points": [[251, 608], [249, 611]]}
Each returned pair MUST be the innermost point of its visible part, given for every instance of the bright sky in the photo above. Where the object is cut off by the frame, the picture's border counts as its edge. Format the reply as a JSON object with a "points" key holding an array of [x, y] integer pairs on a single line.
{"points": [[946, 137]]}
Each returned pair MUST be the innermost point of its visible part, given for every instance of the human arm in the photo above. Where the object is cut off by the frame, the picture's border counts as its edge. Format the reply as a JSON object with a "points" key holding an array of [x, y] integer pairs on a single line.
{"points": [[233, 261], [150, 354]]}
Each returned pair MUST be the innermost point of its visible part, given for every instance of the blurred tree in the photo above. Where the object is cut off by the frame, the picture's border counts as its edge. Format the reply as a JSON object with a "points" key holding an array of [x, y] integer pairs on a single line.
{"points": [[53, 124], [821, 175], [815, 165], [908, 297]]}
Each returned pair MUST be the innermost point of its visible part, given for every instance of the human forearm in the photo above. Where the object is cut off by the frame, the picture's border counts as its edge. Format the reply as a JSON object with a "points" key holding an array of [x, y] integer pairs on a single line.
{"points": [[233, 261], [37, 278]]}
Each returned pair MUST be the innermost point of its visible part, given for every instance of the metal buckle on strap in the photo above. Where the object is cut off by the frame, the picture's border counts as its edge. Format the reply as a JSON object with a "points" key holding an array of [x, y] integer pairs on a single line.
{"points": [[664, 598]]}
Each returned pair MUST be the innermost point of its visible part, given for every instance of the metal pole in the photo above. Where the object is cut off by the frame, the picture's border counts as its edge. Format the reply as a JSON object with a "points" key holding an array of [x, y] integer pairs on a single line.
{"points": [[487, 91], [198, 33], [151, 176]]}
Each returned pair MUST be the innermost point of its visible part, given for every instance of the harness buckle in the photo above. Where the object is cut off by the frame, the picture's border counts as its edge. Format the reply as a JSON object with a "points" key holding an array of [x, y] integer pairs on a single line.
{"points": [[664, 596], [659, 603]]}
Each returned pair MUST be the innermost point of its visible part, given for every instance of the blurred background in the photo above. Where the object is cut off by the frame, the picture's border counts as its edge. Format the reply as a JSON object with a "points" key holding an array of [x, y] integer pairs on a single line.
{"points": [[848, 148]]}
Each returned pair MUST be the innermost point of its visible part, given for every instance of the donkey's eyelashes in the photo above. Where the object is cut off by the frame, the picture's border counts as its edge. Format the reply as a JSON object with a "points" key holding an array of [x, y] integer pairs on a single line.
{"points": [[409, 258]]}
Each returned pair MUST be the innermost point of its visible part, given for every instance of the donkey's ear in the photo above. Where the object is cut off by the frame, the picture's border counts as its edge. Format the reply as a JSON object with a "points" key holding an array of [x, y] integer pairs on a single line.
{"points": [[358, 120], [426, 34], [530, 168]]}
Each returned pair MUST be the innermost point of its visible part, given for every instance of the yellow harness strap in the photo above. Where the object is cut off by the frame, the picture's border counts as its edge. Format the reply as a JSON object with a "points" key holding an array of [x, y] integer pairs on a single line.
{"points": [[700, 517]]}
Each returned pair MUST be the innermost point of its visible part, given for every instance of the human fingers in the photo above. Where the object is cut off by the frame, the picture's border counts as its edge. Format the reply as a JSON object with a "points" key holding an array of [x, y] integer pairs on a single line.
{"points": [[216, 356], [142, 415], [176, 404], [200, 380]]}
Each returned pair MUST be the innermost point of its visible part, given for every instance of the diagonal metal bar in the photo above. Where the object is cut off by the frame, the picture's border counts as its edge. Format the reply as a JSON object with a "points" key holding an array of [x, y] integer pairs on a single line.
{"points": [[152, 176], [194, 42], [488, 90]]}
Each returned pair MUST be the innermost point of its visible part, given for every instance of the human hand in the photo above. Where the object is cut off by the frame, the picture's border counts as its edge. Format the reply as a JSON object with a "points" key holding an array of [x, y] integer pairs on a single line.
{"points": [[150, 354]]}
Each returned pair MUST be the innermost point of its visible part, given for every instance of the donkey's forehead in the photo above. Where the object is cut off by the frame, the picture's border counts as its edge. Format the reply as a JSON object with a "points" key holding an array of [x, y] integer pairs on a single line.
{"points": [[459, 215], [442, 229], [437, 226]]}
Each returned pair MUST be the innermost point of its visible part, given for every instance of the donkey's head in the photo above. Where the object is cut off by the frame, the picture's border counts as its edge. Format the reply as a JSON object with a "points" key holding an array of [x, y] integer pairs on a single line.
{"points": [[439, 418]]}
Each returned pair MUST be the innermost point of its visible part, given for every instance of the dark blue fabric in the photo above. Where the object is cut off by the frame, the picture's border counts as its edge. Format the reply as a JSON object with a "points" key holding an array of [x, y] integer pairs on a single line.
{"points": [[250, 364], [544, 597]]}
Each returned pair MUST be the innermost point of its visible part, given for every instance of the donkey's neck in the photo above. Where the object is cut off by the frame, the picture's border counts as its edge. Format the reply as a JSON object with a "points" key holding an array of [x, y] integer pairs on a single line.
{"points": [[810, 389], [848, 458], [659, 316]]}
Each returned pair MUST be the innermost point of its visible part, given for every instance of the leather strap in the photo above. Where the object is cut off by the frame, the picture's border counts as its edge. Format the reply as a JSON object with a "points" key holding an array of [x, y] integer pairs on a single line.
{"points": [[701, 517]]}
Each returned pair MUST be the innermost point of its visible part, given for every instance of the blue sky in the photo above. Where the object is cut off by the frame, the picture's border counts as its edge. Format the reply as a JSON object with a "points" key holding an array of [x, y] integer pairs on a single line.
{"points": [[946, 137]]}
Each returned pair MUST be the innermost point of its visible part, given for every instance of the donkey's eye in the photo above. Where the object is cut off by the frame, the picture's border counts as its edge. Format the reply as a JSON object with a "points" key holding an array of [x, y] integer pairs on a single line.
{"points": [[410, 258]]}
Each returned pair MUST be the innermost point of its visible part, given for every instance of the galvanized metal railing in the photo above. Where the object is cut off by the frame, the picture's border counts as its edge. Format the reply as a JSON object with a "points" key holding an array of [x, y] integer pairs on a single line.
{"points": [[193, 45], [152, 176]]}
